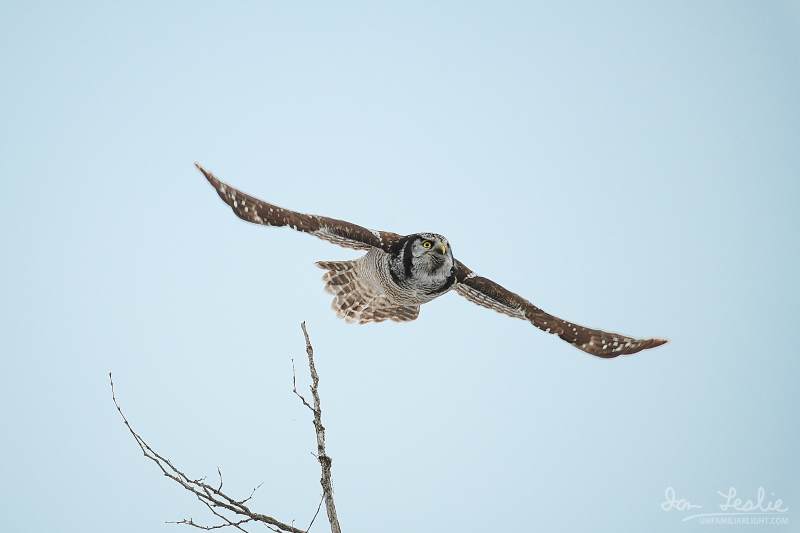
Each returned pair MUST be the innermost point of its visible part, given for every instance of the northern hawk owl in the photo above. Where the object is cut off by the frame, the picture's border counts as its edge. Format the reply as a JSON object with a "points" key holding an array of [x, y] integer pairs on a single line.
{"points": [[399, 273]]}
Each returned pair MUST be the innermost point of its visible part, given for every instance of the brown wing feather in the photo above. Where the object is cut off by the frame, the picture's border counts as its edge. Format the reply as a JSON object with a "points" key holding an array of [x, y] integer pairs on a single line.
{"points": [[487, 293], [332, 230]]}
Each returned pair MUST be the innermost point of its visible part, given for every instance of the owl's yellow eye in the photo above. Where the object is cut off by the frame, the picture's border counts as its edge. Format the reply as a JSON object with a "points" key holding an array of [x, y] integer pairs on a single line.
{"points": [[427, 244]]}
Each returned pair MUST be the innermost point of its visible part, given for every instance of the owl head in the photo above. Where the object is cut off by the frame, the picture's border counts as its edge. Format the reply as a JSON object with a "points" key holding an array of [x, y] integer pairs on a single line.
{"points": [[431, 252]]}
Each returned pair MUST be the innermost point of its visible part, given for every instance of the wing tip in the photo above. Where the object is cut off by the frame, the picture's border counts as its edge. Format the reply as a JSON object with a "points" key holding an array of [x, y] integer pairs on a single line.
{"points": [[632, 348], [645, 344], [208, 175]]}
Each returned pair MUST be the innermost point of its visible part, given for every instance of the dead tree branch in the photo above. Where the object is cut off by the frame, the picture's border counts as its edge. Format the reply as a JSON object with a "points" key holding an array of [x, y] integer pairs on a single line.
{"points": [[235, 513], [324, 459]]}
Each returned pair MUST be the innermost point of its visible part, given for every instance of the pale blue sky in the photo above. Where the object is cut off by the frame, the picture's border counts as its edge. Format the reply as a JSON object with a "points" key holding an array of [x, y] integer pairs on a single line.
{"points": [[628, 165]]}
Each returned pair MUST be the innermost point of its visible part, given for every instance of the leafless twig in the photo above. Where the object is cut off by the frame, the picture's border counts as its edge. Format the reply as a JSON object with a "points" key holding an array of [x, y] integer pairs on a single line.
{"points": [[234, 513], [323, 458], [316, 513]]}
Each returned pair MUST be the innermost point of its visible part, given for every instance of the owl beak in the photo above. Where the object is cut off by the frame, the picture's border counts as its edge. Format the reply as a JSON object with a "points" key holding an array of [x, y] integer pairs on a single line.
{"points": [[443, 248]]}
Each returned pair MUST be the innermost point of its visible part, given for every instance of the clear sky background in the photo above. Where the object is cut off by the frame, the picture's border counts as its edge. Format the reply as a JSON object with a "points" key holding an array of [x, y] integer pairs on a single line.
{"points": [[627, 165]]}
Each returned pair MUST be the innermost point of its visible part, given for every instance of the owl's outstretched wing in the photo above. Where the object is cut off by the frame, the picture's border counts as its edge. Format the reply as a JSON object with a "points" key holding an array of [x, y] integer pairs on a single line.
{"points": [[487, 293], [332, 230]]}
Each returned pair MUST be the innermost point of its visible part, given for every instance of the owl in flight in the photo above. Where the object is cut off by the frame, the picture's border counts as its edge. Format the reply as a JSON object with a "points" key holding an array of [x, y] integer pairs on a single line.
{"points": [[401, 272]]}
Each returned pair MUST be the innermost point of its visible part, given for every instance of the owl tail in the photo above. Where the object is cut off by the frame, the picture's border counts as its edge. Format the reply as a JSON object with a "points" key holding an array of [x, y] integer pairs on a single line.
{"points": [[356, 299]]}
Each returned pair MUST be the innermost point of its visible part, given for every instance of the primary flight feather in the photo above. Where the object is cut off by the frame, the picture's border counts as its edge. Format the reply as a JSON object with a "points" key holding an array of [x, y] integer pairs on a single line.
{"points": [[401, 272]]}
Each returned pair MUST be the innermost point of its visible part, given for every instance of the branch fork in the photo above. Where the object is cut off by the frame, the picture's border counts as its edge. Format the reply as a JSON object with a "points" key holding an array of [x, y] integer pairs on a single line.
{"points": [[234, 513]]}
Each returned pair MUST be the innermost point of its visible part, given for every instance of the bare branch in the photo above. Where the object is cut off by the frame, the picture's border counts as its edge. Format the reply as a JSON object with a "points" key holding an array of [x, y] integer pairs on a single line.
{"points": [[252, 492], [211, 496], [190, 522], [315, 514], [323, 458], [294, 388], [228, 523], [219, 503]]}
